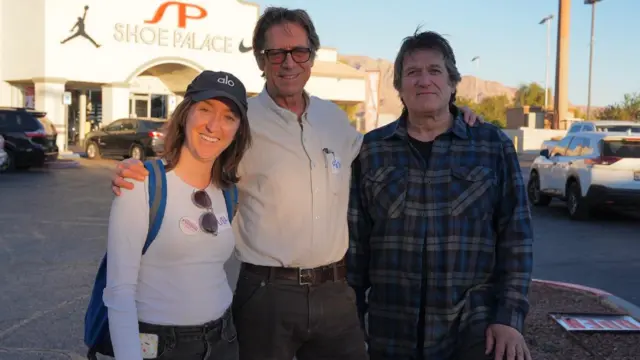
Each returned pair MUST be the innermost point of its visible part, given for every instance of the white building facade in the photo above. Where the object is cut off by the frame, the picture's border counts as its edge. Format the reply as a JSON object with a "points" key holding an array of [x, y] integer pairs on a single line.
{"points": [[86, 61]]}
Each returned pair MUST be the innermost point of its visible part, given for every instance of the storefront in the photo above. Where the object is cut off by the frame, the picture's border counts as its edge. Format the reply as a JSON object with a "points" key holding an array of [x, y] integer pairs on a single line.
{"points": [[95, 60]]}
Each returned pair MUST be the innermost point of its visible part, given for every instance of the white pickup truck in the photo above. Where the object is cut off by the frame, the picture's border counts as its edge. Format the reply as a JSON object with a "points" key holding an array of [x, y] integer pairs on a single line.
{"points": [[588, 170]]}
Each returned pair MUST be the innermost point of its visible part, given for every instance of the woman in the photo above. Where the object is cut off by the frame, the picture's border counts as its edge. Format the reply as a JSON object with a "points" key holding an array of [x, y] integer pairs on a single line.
{"points": [[173, 302]]}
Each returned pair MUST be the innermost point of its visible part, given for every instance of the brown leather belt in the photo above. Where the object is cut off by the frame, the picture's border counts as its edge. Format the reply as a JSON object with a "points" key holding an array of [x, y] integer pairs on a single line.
{"points": [[316, 276]]}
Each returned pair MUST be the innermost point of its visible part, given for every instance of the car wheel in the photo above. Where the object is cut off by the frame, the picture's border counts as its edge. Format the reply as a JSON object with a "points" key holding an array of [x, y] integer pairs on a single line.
{"points": [[9, 164], [137, 152], [576, 204], [536, 197], [93, 152]]}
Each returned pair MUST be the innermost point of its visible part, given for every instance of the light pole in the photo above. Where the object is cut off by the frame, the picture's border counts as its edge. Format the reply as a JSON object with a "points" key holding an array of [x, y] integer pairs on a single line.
{"points": [[547, 20], [593, 23], [476, 59]]}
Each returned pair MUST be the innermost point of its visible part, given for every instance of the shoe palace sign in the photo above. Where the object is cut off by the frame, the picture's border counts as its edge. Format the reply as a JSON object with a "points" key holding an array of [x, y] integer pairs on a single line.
{"points": [[178, 37]]}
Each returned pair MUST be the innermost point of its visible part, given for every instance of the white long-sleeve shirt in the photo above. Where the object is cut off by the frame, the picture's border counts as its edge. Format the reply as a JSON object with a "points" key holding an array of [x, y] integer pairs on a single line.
{"points": [[180, 280]]}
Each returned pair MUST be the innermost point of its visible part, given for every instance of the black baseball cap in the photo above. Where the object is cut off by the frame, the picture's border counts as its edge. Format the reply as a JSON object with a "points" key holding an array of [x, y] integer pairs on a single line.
{"points": [[218, 84]]}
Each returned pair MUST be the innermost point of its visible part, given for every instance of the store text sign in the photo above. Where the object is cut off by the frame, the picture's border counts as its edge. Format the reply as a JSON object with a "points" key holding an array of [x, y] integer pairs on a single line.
{"points": [[173, 37]]}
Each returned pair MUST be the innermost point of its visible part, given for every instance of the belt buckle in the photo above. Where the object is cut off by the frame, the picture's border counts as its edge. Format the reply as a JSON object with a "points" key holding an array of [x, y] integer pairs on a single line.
{"points": [[307, 278]]}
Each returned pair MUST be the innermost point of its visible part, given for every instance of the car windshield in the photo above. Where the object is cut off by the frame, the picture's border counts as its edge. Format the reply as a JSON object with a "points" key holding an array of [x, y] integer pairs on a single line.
{"points": [[622, 148], [635, 129], [18, 121]]}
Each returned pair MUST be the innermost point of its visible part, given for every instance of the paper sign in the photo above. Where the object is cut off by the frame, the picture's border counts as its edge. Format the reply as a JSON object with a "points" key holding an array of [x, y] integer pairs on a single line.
{"points": [[596, 322], [66, 98]]}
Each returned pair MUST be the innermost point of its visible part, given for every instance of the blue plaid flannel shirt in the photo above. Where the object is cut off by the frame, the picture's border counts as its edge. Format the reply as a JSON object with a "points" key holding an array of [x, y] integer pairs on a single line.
{"points": [[462, 219]]}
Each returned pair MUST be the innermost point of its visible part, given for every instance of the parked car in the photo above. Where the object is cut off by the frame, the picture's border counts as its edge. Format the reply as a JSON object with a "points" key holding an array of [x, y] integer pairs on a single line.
{"points": [[588, 170], [632, 127], [3, 155], [137, 138], [29, 138]]}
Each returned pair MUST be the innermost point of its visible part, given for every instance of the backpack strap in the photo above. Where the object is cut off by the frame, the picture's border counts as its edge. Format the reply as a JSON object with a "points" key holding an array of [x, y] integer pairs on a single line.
{"points": [[231, 199], [157, 199]]}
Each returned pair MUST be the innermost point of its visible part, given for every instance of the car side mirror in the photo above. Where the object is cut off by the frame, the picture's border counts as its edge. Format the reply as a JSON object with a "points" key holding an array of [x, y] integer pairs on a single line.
{"points": [[544, 152]]}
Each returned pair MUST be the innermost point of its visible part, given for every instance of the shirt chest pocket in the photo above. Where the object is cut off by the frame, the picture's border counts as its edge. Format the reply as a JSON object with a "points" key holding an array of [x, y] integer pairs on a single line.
{"points": [[336, 172], [471, 192], [387, 189]]}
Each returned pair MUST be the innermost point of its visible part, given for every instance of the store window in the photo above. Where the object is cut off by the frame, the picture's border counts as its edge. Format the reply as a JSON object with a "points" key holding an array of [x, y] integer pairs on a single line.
{"points": [[159, 106], [148, 105], [94, 106]]}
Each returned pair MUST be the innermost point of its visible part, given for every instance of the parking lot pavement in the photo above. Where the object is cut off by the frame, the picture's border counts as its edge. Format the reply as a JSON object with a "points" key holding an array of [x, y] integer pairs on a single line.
{"points": [[53, 232], [603, 252]]}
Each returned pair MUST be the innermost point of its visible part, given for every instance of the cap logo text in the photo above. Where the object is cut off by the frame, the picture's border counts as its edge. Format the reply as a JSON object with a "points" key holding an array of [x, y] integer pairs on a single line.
{"points": [[225, 80]]}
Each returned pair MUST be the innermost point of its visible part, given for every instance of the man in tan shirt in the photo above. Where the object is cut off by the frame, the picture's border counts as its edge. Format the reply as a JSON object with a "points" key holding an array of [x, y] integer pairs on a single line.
{"points": [[292, 298]]}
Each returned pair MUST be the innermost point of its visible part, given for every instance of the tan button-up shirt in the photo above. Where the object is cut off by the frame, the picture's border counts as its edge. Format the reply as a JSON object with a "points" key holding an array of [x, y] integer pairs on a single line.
{"points": [[294, 186]]}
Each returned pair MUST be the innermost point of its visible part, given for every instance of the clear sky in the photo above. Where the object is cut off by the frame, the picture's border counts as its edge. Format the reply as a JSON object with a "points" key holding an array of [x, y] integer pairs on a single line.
{"points": [[504, 33]]}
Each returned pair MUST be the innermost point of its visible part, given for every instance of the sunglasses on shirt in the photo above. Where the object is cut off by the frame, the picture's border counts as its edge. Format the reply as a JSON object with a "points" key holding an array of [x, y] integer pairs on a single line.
{"points": [[208, 220]]}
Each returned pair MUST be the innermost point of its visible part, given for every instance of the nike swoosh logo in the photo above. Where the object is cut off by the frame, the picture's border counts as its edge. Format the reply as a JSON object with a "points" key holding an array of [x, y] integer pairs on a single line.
{"points": [[244, 49]]}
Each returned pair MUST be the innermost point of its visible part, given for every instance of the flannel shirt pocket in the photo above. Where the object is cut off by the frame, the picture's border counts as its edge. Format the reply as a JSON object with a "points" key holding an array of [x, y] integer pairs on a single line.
{"points": [[471, 192], [387, 187]]}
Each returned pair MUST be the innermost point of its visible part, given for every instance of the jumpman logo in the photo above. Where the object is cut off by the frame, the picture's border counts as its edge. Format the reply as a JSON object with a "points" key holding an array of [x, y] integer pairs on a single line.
{"points": [[81, 30]]}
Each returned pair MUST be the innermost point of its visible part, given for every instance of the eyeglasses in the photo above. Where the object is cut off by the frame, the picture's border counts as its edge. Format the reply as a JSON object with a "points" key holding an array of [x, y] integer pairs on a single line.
{"points": [[278, 56], [208, 220]]}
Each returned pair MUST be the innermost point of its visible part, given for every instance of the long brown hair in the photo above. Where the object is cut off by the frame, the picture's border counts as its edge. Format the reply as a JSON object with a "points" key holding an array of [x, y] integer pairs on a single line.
{"points": [[224, 172]]}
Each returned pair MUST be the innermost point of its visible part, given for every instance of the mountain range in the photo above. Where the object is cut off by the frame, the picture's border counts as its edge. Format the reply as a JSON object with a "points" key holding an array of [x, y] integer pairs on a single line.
{"points": [[390, 102]]}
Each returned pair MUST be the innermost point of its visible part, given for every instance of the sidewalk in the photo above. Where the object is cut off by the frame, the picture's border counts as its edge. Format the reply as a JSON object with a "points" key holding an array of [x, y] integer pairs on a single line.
{"points": [[66, 160]]}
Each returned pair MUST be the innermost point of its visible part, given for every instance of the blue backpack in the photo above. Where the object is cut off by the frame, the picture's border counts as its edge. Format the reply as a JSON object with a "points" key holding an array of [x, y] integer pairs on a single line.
{"points": [[96, 322]]}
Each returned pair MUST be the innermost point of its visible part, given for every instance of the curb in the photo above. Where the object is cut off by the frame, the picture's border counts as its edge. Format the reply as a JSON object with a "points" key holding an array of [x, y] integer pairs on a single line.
{"points": [[591, 290], [527, 157], [606, 297]]}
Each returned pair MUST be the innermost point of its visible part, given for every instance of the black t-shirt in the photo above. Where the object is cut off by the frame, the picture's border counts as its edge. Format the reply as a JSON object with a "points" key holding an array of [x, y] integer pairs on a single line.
{"points": [[423, 147]]}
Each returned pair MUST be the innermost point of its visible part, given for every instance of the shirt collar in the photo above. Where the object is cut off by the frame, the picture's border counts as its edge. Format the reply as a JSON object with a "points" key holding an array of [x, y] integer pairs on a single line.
{"points": [[459, 127], [283, 113]]}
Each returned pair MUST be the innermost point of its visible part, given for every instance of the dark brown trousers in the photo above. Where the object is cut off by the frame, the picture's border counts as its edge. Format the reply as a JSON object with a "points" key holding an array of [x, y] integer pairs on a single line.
{"points": [[277, 319]]}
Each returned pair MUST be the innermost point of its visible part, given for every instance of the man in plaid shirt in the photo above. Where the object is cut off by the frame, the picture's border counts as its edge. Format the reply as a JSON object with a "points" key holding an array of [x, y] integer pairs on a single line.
{"points": [[439, 224]]}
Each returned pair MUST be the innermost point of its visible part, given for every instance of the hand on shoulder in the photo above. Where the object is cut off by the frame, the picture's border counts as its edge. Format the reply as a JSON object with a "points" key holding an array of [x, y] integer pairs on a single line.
{"points": [[127, 169]]}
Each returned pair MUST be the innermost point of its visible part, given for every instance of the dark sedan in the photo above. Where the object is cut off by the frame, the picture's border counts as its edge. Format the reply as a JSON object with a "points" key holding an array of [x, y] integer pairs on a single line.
{"points": [[138, 138]]}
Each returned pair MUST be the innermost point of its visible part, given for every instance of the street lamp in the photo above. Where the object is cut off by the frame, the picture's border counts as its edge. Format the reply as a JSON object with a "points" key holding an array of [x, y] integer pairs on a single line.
{"points": [[593, 23], [547, 20], [476, 59]]}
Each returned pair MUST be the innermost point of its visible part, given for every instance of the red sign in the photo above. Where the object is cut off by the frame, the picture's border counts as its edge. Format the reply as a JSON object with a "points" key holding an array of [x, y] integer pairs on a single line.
{"points": [[182, 13], [596, 322]]}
